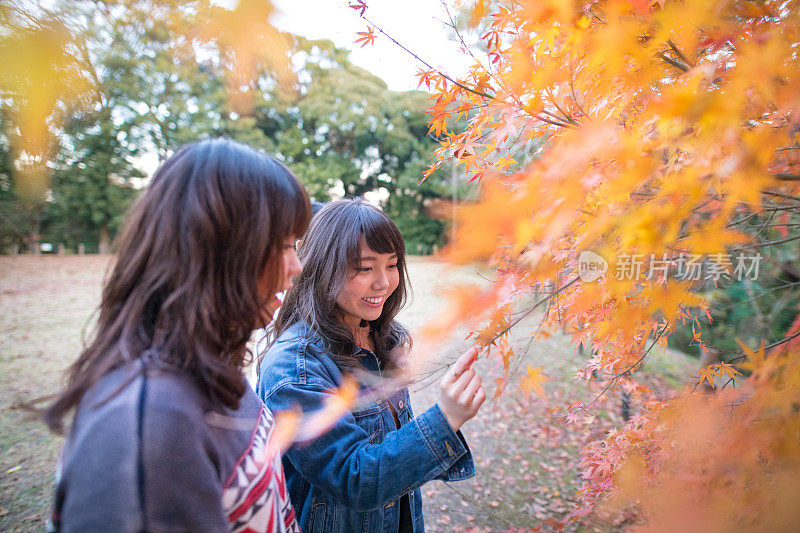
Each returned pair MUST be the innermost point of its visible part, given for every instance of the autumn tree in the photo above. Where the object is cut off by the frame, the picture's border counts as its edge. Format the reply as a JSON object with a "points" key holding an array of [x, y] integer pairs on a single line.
{"points": [[669, 152]]}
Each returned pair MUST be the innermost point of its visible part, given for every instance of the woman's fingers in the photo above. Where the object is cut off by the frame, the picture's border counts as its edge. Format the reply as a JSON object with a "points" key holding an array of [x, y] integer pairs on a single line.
{"points": [[462, 364], [462, 381], [478, 399], [470, 391], [461, 390], [466, 360]]}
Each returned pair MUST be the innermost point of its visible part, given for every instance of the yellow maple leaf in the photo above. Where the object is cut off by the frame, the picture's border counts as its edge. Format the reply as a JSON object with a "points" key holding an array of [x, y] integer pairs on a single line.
{"points": [[707, 373], [726, 369], [532, 382]]}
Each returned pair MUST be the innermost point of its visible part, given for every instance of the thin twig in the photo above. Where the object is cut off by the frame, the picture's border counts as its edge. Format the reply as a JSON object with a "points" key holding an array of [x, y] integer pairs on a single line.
{"points": [[781, 195], [766, 244], [627, 371], [431, 67], [678, 53], [675, 63], [742, 355], [532, 308]]}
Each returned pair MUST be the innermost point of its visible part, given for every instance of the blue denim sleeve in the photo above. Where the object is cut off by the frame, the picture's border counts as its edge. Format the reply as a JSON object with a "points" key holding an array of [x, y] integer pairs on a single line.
{"points": [[365, 476]]}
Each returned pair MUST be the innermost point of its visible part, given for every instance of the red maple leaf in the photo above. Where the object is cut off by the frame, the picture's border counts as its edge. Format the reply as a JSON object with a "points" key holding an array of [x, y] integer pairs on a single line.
{"points": [[359, 5], [425, 77], [367, 37]]}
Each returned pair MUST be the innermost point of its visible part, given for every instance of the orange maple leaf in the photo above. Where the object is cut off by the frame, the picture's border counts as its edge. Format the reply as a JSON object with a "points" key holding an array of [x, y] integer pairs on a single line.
{"points": [[726, 369], [367, 37], [502, 162], [708, 373], [533, 382], [428, 171], [425, 77]]}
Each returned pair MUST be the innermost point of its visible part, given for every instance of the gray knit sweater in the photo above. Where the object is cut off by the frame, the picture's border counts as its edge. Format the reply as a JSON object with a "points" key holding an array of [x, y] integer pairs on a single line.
{"points": [[146, 452]]}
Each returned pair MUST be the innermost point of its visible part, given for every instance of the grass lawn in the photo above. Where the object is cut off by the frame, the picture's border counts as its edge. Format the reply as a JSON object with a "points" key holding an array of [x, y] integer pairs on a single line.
{"points": [[526, 457]]}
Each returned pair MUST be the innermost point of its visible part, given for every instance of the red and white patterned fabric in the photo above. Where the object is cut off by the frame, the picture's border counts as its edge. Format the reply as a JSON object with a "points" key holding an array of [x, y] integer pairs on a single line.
{"points": [[255, 496]]}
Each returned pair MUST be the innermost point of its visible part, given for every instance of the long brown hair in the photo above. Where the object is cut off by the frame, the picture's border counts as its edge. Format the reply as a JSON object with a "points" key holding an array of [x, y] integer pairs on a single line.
{"points": [[330, 247], [184, 285]]}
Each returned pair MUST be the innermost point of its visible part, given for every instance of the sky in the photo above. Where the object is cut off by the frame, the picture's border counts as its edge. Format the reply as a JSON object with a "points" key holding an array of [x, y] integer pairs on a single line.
{"points": [[418, 24]]}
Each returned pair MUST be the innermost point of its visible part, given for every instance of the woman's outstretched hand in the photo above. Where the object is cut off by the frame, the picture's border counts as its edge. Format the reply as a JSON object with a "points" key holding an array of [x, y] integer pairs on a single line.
{"points": [[461, 393]]}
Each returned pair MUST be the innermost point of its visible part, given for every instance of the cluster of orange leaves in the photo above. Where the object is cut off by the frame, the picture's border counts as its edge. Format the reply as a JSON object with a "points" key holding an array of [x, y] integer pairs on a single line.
{"points": [[707, 462], [632, 127]]}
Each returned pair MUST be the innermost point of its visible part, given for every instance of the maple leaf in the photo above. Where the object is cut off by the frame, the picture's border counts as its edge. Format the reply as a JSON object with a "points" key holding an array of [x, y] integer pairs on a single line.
{"points": [[754, 356], [502, 162], [438, 125], [532, 382], [248, 45], [337, 402], [39, 74], [708, 373], [359, 6], [428, 171], [479, 11], [465, 149], [425, 77], [503, 129], [367, 37], [726, 369]]}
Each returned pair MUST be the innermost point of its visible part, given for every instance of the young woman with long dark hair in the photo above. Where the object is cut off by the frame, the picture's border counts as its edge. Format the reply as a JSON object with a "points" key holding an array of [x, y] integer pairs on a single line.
{"points": [[365, 472], [167, 435]]}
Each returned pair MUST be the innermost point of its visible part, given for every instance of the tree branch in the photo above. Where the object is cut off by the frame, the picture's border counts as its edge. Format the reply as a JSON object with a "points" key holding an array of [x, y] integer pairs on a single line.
{"points": [[628, 370], [431, 67], [678, 53], [769, 347], [675, 63], [532, 308], [786, 177], [781, 195]]}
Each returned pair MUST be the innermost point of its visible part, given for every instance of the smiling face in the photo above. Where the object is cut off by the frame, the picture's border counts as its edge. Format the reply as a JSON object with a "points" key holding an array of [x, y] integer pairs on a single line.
{"points": [[368, 285]]}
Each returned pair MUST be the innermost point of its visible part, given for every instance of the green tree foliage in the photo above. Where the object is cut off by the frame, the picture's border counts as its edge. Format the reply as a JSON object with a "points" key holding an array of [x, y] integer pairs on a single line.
{"points": [[345, 132], [750, 309], [158, 83], [20, 220], [91, 189]]}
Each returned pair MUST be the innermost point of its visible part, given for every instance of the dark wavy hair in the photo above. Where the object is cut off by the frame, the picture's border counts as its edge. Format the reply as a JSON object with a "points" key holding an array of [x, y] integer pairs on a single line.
{"points": [[331, 245], [184, 287]]}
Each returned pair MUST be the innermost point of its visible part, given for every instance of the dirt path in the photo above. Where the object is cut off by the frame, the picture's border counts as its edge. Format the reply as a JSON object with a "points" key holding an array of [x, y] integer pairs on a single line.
{"points": [[526, 458]]}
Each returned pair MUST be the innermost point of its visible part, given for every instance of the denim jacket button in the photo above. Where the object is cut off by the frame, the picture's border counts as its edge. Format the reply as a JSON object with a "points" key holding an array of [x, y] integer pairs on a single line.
{"points": [[400, 404]]}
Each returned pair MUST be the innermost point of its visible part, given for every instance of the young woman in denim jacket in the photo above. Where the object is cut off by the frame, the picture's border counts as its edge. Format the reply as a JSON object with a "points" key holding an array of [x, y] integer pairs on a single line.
{"points": [[364, 474]]}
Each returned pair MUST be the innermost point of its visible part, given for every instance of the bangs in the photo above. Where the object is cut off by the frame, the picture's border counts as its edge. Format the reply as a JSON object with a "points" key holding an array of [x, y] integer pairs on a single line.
{"points": [[379, 233]]}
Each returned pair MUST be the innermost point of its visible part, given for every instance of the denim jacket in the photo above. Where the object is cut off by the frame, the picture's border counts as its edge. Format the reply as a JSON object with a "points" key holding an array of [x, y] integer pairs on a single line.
{"points": [[352, 478]]}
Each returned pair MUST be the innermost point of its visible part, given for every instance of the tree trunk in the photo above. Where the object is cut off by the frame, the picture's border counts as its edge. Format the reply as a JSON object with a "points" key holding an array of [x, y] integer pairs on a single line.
{"points": [[34, 240], [105, 240]]}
